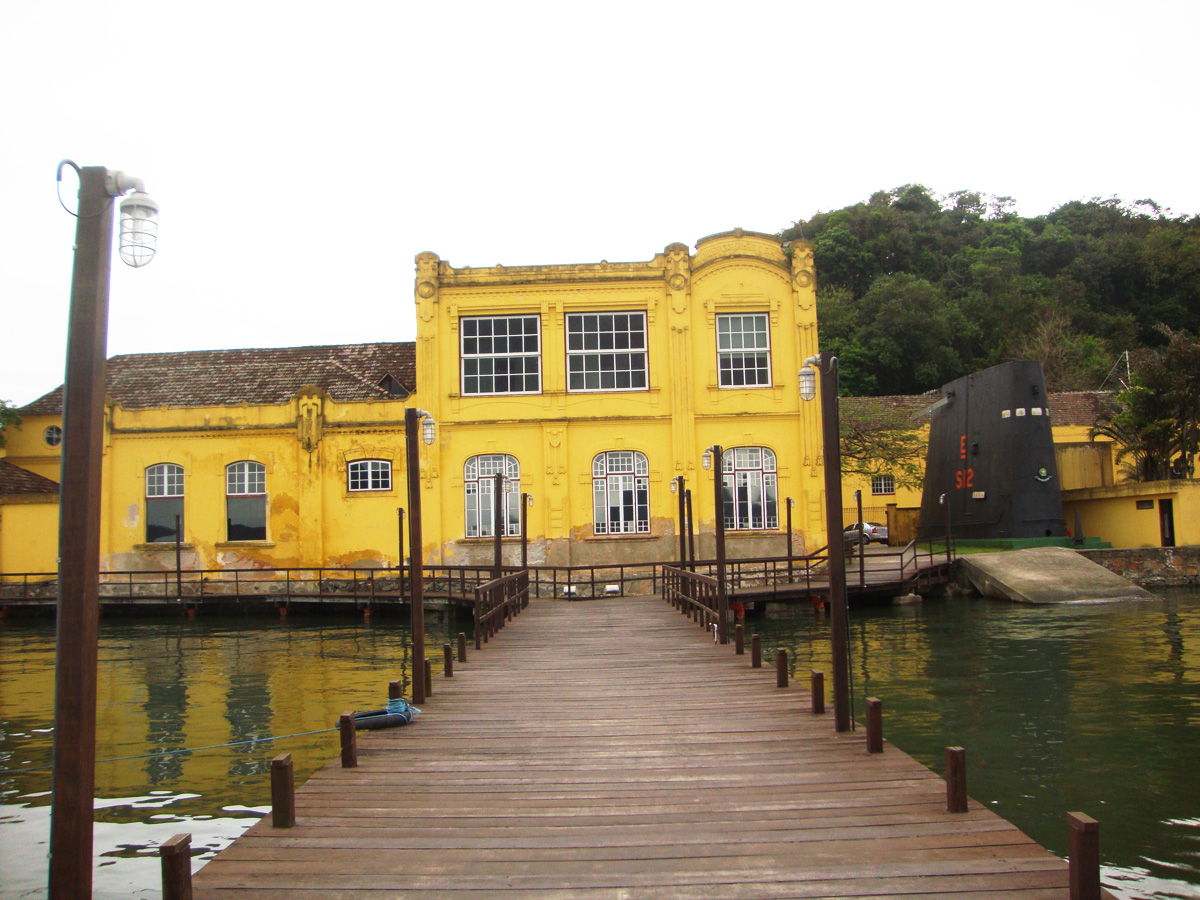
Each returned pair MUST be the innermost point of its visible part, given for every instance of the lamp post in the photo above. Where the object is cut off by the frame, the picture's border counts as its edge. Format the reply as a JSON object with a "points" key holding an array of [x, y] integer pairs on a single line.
{"points": [[691, 533], [831, 448], [74, 778], [790, 503], [713, 460], [677, 488], [526, 504], [416, 421], [400, 561]]}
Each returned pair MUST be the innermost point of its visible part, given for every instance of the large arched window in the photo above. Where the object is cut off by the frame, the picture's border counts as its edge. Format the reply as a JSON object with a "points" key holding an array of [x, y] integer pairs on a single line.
{"points": [[246, 501], [164, 501], [750, 488], [479, 484], [621, 493]]}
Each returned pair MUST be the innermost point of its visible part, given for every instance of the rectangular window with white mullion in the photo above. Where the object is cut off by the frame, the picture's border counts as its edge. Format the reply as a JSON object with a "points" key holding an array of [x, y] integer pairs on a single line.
{"points": [[606, 352], [501, 355], [743, 350]]}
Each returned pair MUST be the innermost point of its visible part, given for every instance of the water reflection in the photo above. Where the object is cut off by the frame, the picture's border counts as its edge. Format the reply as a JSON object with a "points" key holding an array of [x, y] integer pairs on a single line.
{"points": [[171, 685], [1088, 707]]}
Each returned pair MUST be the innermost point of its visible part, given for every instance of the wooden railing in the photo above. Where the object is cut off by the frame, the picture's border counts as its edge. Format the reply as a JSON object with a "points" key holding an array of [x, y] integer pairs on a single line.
{"points": [[365, 587], [693, 594], [499, 602]]}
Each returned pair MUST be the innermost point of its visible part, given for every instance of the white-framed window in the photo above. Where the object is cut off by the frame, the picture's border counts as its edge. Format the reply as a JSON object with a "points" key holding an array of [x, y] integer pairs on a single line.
{"points": [[501, 354], [164, 501], [246, 501], [743, 350], [479, 487], [750, 488], [369, 475], [606, 351], [883, 484], [621, 492]]}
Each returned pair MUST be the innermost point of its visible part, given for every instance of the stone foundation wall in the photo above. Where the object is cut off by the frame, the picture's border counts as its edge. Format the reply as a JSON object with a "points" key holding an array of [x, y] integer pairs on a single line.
{"points": [[1152, 566]]}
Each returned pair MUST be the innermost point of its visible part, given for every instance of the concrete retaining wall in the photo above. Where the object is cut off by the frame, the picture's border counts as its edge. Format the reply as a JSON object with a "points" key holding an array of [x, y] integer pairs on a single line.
{"points": [[1152, 566]]}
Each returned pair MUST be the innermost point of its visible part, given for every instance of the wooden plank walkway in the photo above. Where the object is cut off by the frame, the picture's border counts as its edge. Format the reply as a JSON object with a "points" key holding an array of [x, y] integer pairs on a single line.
{"points": [[608, 749]]}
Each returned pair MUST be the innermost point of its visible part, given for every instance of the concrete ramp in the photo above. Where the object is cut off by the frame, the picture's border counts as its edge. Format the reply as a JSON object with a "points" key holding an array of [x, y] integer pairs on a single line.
{"points": [[1046, 575]]}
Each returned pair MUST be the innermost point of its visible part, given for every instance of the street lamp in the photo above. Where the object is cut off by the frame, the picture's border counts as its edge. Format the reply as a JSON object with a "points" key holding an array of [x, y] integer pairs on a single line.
{"points": [[74, 778], [712, 459], [416, 421], [831, 448]]}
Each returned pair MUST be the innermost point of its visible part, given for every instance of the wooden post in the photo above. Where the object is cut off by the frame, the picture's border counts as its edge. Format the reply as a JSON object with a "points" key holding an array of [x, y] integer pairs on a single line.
{"points": [[349, 740], [956, 780], [755, 652], [394, 690], [1083, 849], [176, 856], [283, 792], [781, 672], [462, 647], [428, 678], [874, 725], [818, 692], [80, 518], [739, 639], [448, 653], [412, 463]]}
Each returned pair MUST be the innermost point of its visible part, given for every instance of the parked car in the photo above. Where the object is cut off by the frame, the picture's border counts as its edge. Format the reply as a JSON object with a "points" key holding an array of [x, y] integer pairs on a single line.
{"points": [[865, 534]]}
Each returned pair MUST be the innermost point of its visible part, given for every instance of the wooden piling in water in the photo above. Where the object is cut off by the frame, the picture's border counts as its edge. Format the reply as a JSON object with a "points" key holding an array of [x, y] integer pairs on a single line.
{"points": [[1083, 849], [956, 780], [283, 792], [462, 647], [176, 856], [781, 672], [755, 652], [739, 639], [349, 740], [428, 678], [448, 665], [874, 725], [817, 686]]}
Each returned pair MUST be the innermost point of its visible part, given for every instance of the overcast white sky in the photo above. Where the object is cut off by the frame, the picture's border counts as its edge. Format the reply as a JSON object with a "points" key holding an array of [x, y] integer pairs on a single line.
{"points": [[303, 154]]}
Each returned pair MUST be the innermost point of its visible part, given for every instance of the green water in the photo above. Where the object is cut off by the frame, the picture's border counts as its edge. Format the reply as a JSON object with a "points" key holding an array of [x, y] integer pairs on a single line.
{"points": [[174, 684], [1090, 707]]}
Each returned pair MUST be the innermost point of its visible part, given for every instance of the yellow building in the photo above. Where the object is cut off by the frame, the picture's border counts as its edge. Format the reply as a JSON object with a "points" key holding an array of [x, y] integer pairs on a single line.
{"points": [[593, 387]]}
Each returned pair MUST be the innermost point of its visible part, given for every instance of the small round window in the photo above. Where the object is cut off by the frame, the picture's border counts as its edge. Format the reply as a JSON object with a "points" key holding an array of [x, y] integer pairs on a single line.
{"points": [[53, 436]]}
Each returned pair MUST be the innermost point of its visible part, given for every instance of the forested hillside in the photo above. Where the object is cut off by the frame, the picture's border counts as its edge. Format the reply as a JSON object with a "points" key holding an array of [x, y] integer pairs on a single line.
{"points": [[915, 289]]}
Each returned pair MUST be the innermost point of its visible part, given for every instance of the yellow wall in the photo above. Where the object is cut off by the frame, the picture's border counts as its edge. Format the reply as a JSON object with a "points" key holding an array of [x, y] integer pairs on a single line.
{"points": [[555, 434], [28, 531], [1112, 513], [305, 444]]}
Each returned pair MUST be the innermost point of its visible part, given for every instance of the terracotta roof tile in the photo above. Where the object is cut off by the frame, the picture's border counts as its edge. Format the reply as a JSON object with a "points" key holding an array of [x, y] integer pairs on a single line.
{"points": [[914, 405], [1066, 408], [15, 480], [1076, 407], [271, 376]]}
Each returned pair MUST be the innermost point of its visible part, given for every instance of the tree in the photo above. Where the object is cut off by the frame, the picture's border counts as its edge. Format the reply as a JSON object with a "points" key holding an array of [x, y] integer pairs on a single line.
{"points": [[9, 418], [878, 438], [1156, 420]]}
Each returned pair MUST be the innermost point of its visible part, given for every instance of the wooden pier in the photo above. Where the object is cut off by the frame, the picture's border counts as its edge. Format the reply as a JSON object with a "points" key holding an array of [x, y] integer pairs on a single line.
{"points": [[609, 749]]}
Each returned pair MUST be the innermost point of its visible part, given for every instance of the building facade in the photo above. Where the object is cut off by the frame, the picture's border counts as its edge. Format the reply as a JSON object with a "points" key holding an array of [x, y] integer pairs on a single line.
{"points": [[593, 388]]}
